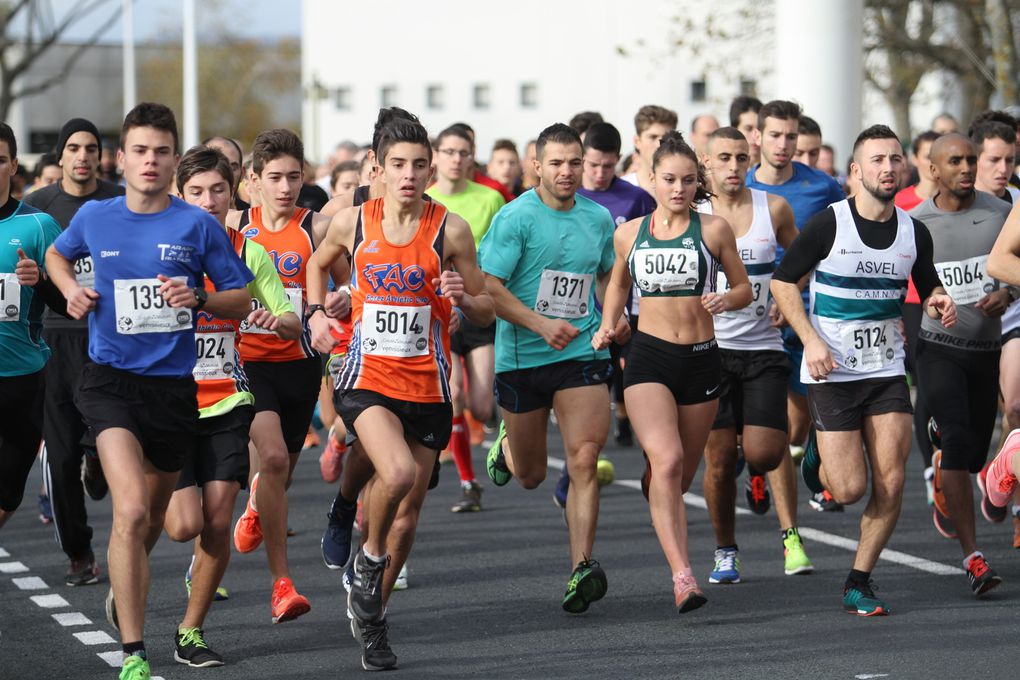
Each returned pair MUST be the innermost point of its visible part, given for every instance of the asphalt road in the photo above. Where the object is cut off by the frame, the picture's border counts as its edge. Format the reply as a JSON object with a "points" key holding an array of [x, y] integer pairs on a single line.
{"points": [[485, 589]]}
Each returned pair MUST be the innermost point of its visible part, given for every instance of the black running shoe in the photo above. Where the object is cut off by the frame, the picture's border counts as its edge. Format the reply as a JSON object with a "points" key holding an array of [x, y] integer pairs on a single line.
{"points": [[934, 433], [471, 498], [82, 572], [587, 584], [190, 649], [365, 598], [824, 502], [981, 577], [337, 538], [624, 435], [756, 490], [92, 477], [376, 654]]}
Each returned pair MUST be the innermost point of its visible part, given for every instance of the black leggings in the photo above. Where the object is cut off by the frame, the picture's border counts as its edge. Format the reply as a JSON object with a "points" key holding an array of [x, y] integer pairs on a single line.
{"points": [[961, 390], [20, 434], [912, 314]]}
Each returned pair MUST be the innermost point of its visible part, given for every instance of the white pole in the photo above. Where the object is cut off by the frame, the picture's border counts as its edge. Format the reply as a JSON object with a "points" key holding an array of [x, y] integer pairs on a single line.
{"points": [[190, 77], [128, 27]]}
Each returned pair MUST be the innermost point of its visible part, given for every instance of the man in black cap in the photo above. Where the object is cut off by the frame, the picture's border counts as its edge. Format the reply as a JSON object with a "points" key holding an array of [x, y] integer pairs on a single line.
{"points": [[78, 150]]}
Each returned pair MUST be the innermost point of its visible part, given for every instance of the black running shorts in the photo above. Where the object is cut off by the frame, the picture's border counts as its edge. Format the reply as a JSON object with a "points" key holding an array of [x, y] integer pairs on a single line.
{"points": [[162, 413], [221, 450], [753, 390], [842, 406], [693, 373], [21, 408], [289, 389], [429, 423], [471, 336], [529, 389]]}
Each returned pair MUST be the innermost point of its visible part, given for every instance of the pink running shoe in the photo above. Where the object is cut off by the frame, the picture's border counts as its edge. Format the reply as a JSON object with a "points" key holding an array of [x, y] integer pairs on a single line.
{"points": [[1000, 480]]}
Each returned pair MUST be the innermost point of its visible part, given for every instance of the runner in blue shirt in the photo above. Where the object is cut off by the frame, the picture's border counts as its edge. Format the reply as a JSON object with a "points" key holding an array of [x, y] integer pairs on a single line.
{"points": [[151, 253]]}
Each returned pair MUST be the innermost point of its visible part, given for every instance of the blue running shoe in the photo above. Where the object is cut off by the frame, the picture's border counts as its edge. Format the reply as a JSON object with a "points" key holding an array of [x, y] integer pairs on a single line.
{"points": [[811, 464], [339, 533], [562, 487], [727, 566]]}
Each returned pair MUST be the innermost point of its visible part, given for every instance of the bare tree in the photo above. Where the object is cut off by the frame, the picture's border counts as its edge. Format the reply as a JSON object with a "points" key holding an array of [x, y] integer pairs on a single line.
{"points": [[29, 28]]}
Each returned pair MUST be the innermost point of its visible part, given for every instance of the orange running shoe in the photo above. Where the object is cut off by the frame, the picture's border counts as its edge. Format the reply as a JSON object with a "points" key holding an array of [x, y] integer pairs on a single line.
{"points": [[311, 439], [686, 592], [287, 604], [248, 530], [938, 495], [331, 462]]}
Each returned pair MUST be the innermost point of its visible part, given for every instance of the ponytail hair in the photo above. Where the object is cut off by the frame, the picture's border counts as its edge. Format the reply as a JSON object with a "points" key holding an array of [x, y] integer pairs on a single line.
{"points": [[673, 144]]}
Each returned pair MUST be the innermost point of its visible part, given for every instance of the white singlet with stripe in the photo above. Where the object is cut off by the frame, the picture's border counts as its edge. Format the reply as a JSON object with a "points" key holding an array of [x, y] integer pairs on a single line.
{"points": [[748, 328], [857, 295]]}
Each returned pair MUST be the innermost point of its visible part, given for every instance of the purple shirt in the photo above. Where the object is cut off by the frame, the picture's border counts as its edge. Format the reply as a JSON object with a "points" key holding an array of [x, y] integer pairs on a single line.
{"points": [[623, 200]]}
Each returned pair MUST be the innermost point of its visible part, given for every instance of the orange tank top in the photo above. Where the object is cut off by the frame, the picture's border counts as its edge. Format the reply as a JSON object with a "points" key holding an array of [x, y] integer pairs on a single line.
{"points": [[290, 248], [218, 371], [400, 342]]}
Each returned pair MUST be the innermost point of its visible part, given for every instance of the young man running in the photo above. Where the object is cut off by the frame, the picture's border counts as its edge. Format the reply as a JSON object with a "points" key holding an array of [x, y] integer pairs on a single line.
{"points": [[27, 233], [78, 148], [958, 367], [755, 371], [473, 344], [411, 260], [543, 258], [284, 375], [859, 253], [151, 253], [744, 116], [650, 124], [808, 191], [220, 465]]}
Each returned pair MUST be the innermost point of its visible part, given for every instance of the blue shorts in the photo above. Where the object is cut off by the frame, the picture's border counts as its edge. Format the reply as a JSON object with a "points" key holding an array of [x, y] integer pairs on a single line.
{"points": [[795, 351]]}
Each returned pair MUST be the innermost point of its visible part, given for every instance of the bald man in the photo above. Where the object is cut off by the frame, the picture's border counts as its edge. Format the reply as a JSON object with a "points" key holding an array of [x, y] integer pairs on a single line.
{"points": [[701, 127]]}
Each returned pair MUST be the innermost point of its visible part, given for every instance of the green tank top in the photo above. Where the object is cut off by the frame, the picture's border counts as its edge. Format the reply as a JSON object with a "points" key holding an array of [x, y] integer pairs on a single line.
{"points": [[677, 267]]}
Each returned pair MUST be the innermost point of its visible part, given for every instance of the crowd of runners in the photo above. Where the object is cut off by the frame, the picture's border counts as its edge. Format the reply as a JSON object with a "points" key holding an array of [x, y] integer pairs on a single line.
{"points": [[171, 327]]}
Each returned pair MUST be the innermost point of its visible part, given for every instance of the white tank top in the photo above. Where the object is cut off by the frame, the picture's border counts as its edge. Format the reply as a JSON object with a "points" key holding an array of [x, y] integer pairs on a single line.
{"points": [[857, 295], [748, 328]]}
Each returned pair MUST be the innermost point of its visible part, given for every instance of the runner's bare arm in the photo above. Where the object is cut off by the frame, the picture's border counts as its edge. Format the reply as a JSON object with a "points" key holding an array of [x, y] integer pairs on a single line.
{"points": [[233, 303], [337, 242], [1004, 260], [719, 238], [338, 203], [618, 286], [233, 219], [557, 333], [474, 300], [80, 301], [782, 220]]}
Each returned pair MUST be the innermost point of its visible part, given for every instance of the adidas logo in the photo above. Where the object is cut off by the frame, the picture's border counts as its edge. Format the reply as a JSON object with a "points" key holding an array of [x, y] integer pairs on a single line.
{"points": [[644, 244]]}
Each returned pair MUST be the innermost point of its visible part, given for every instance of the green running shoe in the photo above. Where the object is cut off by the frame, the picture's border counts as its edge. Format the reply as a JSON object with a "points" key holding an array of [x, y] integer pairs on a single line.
{"points": [[221, 592], [586, 585], [797, 561], [135, 668], [859, 598], [811, 464], [495, 462]]}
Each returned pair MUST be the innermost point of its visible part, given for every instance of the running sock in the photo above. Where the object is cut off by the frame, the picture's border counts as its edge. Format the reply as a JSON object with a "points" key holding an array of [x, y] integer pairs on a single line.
{"points": [[135, 648], [342, 504], [369, 556], [460, 447], [855, 577], [968, 558], [727, 547]]}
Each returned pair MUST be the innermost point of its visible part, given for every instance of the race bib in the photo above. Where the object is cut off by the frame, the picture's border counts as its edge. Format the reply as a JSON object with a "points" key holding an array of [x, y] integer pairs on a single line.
{"points": [[141, 309], [665, 270], [759, 291], [214, 356], [10, 297], [966, 281], [564, 294], [395, 331], [84, 272], [293, 294], [868, 345]]}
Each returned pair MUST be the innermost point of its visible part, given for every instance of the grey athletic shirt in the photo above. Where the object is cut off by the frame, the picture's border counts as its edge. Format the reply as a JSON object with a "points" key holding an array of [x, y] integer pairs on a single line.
{"points": [[962, 241]]}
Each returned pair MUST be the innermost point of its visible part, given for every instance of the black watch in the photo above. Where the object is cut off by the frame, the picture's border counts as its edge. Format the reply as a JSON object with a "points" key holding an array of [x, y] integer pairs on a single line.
{"points": [[201, 297], [312, 309]]}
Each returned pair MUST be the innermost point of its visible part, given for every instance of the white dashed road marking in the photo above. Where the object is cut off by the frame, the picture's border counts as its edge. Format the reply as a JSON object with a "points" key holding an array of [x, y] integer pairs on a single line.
{"points": [[30, 583], [12, 567], [72, 619], [50, 601], [95, 637]]}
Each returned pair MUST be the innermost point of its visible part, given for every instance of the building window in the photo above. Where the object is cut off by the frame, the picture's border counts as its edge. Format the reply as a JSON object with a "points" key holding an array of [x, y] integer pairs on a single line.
{"points": [[699, 91], [388, 96], [342, 98], [749, 86], [434, 96], [529, 96], [481, 96]]}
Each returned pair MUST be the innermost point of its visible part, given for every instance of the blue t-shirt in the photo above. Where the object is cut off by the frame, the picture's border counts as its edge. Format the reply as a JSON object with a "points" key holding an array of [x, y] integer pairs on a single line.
{"points": [[623, 200], [572, 247], [132, 329], [22, 350]]}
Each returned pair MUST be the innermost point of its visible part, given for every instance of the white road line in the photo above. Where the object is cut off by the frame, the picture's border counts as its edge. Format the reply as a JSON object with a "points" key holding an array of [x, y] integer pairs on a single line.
{"points": [[113, 659], [95, 637], [30, 583], [50, 601], [72, 619], [817, 535], [12, 568], [4, 553]]}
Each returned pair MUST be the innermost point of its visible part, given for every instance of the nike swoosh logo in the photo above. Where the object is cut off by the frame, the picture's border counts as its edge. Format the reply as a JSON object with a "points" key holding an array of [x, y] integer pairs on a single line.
{"points": [[980, 220], [709, 392]]}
